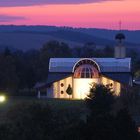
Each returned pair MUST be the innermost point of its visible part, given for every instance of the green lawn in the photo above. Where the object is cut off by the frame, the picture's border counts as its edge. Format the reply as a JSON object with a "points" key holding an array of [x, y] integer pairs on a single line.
{"points": [[76, 107], [58, 103]]}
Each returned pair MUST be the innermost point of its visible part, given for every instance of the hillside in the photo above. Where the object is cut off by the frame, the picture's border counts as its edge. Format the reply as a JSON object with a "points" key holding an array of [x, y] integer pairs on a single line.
{"points": [[33, 37]]}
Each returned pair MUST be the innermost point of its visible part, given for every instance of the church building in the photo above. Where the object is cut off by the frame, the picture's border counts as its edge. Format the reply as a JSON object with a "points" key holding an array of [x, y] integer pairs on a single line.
{"points": [[80, 73]]}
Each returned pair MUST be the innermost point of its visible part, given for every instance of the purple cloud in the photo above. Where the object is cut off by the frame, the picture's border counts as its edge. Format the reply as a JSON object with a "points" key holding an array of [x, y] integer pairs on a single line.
{"points": [[12, 3], [7, 18]]}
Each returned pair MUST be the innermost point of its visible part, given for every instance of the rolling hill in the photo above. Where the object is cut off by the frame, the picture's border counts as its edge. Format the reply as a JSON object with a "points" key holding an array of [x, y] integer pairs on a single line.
{"points": [[33, 37]]}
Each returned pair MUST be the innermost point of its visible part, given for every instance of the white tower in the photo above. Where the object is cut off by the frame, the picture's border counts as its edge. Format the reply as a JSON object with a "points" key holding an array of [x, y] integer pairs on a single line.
{"points": [[120, 50]]}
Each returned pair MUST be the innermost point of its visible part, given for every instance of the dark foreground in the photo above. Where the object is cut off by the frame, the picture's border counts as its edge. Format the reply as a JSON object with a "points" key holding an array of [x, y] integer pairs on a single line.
{"points": [[28, 118]]}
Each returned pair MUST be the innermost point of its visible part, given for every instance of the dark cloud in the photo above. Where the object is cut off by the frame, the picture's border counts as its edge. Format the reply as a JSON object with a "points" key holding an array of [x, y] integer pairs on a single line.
{"points": [[12, 3], [6, 18]]}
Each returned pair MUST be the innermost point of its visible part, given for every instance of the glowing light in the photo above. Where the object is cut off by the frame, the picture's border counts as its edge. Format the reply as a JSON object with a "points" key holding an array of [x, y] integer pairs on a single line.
{"points": [[82, 87], [2, 98]]}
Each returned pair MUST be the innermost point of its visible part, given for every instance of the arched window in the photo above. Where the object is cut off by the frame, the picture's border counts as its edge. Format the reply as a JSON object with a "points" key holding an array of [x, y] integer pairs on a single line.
{"points": [[86, 69]]}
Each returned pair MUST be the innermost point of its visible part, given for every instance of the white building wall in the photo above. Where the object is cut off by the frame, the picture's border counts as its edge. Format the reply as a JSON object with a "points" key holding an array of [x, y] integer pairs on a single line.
{"points": [[116, 86], [58, 88], [82, 87]]}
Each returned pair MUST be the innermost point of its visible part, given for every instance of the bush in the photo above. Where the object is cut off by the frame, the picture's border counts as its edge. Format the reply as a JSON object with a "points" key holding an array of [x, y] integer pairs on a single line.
{"points": [[29, 121]]}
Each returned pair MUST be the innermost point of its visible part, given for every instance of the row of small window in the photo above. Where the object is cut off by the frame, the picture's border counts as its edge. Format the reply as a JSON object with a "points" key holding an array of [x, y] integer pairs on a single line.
{"points": [[84, 75]]}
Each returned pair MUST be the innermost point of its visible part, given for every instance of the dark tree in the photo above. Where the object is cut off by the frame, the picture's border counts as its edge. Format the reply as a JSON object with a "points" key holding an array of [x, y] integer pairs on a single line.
{"points": [[88, 50], [56, 49], [101, 123], [100, 99], [7, 51], [51, 49], [125, 126], [108, 51], [8, 73]]}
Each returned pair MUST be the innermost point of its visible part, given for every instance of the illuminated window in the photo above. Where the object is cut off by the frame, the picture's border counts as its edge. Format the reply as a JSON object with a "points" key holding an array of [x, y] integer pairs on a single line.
{"points": [[86, 71], [86, 68]]}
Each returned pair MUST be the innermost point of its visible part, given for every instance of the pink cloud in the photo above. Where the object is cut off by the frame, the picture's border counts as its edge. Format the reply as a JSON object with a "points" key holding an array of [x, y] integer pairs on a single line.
{"points": [[97, 15], [7, 18]]}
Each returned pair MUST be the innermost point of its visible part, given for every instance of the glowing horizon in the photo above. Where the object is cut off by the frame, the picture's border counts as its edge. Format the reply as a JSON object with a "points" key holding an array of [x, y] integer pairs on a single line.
{"points": [[105, 14]]}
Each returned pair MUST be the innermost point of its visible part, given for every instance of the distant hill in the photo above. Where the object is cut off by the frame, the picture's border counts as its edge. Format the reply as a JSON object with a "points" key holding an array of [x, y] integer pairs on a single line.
{"points": [[33, 37]]}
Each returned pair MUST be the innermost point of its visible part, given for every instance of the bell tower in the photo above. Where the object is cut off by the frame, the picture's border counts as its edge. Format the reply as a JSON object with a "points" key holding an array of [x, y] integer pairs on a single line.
{"points": [[120, 50]]}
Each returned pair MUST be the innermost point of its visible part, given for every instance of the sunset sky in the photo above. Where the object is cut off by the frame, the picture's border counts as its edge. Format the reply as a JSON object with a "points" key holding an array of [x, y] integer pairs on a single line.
{"points": [[75, 13]]}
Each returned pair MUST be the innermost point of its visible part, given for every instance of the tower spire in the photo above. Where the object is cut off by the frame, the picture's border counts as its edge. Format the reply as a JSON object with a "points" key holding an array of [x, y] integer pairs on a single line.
{"points": [[120, 50], [120, 25]]}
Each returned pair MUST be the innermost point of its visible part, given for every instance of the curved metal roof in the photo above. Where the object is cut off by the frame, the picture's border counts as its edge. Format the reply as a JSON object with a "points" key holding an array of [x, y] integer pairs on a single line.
{"points": [[106, 64]]}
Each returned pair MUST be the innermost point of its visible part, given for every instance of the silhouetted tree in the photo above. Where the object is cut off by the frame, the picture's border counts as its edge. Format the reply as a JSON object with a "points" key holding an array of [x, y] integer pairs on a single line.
{"points": [[125, 126], [56, 49], [108, 51], [8, 73], [101, 123], [100, 99], [7, 51]]}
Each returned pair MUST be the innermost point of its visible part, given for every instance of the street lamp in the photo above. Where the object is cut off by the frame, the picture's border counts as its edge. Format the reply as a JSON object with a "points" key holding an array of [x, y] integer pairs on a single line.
{"points": [[2, 98]]}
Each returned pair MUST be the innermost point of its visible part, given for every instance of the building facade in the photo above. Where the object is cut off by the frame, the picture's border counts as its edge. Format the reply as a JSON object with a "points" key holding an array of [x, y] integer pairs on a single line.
{"points": [[80, 73]]}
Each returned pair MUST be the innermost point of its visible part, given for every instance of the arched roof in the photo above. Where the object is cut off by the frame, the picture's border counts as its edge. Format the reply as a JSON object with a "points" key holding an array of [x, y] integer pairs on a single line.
{"points": [[105, 64], [86, 61]]}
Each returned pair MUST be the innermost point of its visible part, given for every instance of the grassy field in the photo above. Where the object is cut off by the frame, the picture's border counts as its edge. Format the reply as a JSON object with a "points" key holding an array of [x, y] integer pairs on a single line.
{"points": [[76, 107], [55, 103], [27, 116]]}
